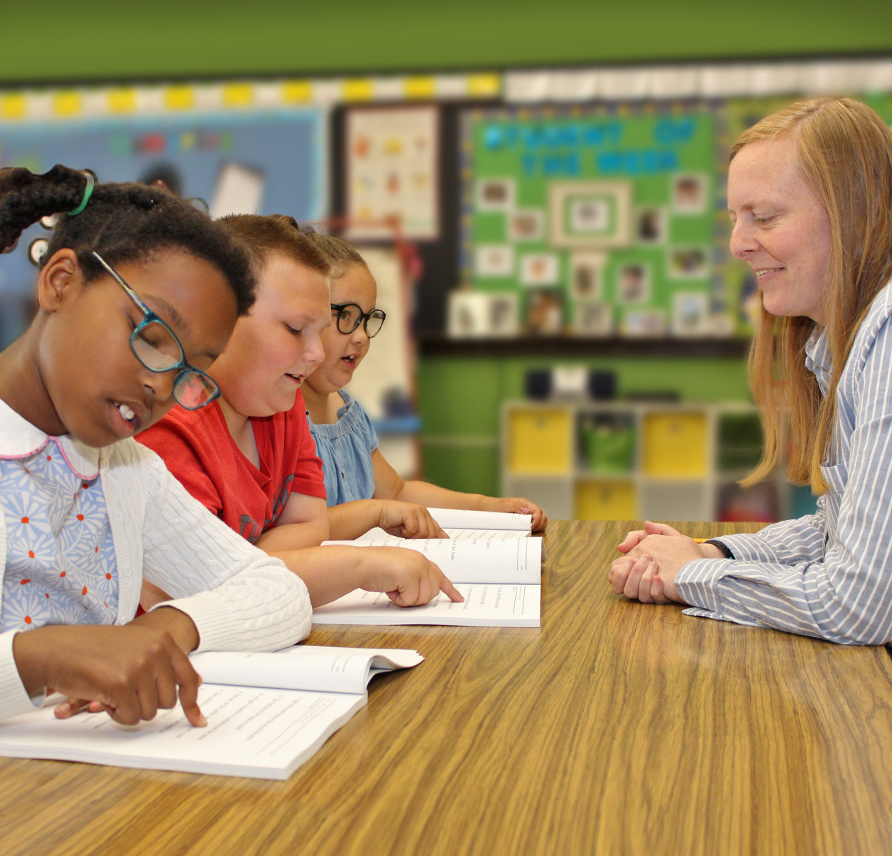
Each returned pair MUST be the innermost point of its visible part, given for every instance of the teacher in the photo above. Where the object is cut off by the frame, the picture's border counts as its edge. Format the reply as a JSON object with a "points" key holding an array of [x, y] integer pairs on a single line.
{"points": [[810, 200]]}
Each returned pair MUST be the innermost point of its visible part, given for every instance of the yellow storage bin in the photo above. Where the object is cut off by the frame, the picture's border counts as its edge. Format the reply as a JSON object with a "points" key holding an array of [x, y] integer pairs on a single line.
{"points": [[539, 441], [606, 500], [675, 445]]}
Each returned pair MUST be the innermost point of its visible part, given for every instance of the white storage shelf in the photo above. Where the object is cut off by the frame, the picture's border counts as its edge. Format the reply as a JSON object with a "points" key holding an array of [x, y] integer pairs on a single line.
{"points": [[637, 461]]}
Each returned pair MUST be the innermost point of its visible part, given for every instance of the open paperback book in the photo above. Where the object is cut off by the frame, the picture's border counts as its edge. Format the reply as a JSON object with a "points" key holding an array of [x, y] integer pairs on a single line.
{"points": [[267, 713], [500, 581]]}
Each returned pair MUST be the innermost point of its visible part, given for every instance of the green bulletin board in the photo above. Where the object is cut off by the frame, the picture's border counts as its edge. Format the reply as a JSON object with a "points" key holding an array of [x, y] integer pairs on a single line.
{"points": [[594, 223]]}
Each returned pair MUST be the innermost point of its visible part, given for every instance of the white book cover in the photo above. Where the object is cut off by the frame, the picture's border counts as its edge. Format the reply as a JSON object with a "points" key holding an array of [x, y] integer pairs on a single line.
{"points": [[267, 713]]}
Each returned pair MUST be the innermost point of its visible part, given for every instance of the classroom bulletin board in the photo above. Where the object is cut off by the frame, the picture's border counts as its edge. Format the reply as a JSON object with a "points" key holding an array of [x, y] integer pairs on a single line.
{"points": [[593, 221]]}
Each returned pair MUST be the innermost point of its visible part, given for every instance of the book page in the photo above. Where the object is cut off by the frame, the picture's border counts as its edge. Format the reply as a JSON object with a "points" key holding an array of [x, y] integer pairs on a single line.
{"points": [[484, 606], [318, 668], [462, 518], [473, 560], [487, 534], [259, 733]]}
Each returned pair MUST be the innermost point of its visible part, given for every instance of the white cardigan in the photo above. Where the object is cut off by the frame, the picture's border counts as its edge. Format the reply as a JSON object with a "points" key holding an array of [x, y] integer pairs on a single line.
{"points": [[240, 598]]}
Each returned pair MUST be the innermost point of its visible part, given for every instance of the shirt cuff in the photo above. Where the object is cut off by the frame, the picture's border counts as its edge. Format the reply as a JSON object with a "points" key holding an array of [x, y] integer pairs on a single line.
{"points": [[14, 698], [697, 583]]}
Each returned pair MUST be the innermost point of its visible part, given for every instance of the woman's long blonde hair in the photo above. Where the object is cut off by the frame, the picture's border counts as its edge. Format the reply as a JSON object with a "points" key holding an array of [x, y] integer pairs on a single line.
{"points": [[845, 155]]}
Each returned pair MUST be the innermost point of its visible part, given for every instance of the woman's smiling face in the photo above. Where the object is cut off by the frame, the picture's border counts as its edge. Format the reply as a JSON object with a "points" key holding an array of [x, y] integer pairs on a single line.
{"points": [[781, 228], [92, 378]]}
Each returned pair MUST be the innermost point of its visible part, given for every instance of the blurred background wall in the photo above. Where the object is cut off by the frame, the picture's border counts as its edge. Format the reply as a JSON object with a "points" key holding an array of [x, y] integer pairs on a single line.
{"points": [[268, 104]]}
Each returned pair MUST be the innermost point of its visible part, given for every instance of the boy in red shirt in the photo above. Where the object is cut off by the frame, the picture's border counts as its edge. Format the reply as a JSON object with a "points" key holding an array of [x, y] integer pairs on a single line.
{"points": [[250, 457]]}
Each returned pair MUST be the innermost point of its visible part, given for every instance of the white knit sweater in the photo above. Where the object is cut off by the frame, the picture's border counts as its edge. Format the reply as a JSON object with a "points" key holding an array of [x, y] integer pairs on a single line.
{"points": [[239, 598]]}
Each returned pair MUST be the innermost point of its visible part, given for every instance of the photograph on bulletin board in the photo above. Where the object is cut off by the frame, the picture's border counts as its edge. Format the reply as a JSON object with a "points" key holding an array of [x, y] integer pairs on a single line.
{"points": [[265, 163], [391, 172], [600, 220]]}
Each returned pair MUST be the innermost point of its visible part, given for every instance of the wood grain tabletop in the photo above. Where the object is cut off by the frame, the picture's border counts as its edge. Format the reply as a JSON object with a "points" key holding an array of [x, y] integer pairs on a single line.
{"points": [[615, 728]]}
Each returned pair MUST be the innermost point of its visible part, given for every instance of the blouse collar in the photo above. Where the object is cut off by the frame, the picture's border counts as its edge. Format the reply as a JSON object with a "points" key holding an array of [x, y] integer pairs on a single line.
{"points": [[20, 439]]}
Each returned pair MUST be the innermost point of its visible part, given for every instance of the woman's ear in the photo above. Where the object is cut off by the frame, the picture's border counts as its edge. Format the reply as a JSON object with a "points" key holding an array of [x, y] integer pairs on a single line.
{"points": [[59, 278]]}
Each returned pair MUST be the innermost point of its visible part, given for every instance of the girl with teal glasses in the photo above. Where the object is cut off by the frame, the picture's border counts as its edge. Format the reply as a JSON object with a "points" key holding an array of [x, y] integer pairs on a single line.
{"points": [[138, 293]]}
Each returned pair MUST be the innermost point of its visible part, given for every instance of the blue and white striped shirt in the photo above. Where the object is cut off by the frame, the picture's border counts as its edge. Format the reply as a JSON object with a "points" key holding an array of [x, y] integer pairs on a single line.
{"points": [[828, 574]]}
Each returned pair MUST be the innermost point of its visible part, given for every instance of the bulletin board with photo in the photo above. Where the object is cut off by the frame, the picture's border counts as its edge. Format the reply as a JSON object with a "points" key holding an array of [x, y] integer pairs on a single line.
{"points": [[591, 222]]}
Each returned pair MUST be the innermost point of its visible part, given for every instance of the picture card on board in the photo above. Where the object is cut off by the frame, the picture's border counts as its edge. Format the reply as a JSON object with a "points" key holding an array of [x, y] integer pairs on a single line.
{"points": [[494, 260], [539, 269], [590, 213]]}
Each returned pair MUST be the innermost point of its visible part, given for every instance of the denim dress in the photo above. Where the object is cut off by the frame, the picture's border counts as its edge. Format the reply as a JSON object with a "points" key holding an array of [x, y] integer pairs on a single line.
{"points": [[345, 449]]}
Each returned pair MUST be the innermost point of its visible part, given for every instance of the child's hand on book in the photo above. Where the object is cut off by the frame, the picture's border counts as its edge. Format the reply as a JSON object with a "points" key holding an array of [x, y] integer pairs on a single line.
{"points": [[408, 577], [129, 671], [519, 505], [408, 520]]}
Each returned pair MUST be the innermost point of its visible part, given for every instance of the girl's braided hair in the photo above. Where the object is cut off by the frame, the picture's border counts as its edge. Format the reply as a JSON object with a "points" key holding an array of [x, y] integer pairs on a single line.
{"points": [[121, 222]]}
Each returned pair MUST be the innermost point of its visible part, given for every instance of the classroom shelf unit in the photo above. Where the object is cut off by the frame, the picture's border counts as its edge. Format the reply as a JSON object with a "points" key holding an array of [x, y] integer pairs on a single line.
{"points": [[637, 461]]}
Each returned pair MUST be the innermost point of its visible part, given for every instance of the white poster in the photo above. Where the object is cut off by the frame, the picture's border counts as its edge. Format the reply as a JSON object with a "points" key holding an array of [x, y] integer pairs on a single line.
{"points": [[391, 171]]}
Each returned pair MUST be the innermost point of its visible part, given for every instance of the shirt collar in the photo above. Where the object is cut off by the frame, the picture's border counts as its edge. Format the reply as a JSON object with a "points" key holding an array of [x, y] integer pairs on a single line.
{"points": [[20, 439], [817, 355]]}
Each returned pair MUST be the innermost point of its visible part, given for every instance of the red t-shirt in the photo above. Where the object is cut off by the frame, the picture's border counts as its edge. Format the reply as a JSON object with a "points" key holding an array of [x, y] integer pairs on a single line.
{"points": [[199, 450]]}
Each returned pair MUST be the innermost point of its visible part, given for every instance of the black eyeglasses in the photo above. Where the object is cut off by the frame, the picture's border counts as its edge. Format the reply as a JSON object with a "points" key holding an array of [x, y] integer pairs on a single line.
{"points": [[350, 315], [157, 347]]}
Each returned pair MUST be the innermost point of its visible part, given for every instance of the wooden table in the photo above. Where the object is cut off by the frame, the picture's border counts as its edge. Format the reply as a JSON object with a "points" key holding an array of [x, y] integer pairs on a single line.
{"points": [[616, 728]]}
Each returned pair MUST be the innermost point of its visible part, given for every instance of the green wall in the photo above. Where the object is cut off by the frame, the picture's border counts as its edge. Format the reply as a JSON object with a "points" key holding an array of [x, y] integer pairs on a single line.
{"points": [[102, 39]]}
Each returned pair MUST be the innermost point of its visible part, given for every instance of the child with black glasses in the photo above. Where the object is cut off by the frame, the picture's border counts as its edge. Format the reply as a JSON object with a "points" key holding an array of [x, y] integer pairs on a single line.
{"points": [[138, 293], [363, 489]]}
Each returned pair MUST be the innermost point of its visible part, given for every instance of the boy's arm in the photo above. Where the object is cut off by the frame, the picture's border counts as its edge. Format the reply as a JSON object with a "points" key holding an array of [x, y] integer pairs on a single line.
{"points": [[407, 520], [406, 576], [303, 523]]}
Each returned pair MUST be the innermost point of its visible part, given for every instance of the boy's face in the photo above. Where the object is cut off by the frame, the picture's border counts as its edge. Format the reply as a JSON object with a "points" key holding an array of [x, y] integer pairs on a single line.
{"points": [[84, 357], [274, 348], [345, 351]]}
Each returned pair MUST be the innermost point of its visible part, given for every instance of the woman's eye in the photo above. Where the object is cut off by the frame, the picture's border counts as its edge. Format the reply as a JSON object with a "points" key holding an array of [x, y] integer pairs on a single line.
{"points": [[293, 331]]}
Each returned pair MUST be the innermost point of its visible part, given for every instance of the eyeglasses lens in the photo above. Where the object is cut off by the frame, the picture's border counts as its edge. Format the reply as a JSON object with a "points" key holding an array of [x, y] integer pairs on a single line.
{"points": [[348, 319], [156, 348], [374, 323], [193, 390]]}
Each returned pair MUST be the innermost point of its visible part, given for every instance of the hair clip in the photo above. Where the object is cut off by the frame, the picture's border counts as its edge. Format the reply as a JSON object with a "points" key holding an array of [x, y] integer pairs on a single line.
{"points": [[88, 192]]}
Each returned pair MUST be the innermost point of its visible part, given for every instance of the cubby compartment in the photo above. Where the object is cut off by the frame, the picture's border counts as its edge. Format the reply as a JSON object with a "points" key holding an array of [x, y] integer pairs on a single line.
{"points": [[606, 499], [540, 440], [676, 444], [672, 500]]}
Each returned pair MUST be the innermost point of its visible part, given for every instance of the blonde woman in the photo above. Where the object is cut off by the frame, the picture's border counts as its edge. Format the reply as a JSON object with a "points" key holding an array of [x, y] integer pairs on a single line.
{"points": [[810, 199]]}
